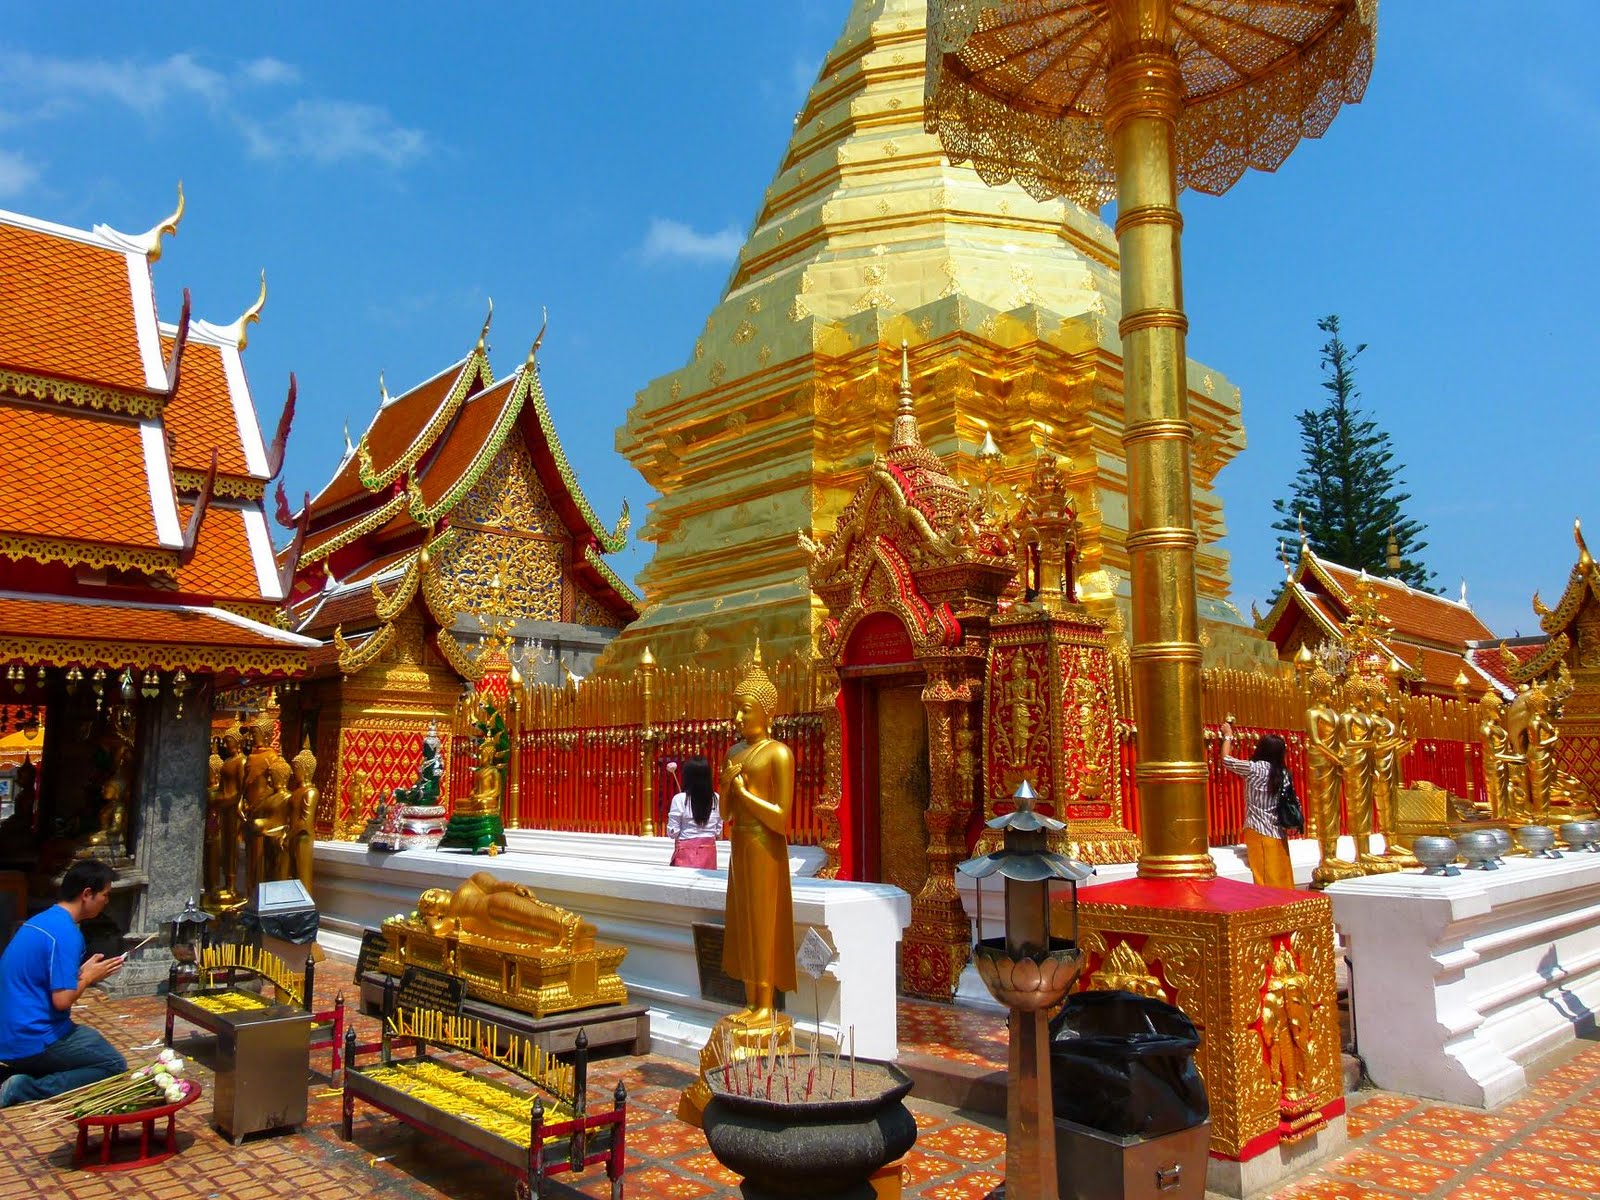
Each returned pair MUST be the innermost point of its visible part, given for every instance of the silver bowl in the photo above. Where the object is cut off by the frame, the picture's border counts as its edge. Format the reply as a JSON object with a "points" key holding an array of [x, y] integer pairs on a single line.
{"points": [[1480, 848], [1537, 840], [1582, 835], [1502, 844], [1436, 854]]}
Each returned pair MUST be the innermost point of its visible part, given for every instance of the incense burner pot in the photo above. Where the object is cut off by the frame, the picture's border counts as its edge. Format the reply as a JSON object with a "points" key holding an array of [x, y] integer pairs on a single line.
{"points": [[1436, 854], [808, 1148], [1537, 840], [1480, 848], [1582, 835]]}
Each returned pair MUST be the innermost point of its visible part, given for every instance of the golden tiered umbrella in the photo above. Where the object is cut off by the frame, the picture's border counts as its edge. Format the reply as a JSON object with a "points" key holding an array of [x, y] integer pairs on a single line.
{"points": [[1131, 100]]}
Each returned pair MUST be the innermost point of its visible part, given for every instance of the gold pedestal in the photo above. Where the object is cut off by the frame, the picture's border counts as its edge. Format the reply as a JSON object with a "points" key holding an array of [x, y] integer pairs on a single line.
{"points": [[747, 1041], [1253, 968]]}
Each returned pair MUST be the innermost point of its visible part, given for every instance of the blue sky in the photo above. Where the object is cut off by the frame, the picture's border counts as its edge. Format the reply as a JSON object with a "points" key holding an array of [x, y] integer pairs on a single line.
{"points": [[393, 166]]}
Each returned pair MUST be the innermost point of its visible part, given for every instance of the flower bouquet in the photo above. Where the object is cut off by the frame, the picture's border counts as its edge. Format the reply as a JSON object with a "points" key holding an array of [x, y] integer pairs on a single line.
{"points": [[161, 1082]]}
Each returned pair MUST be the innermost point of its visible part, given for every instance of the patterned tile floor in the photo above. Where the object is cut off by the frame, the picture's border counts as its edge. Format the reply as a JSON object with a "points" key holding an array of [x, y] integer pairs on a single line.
{"points": [[1537, 1146]]}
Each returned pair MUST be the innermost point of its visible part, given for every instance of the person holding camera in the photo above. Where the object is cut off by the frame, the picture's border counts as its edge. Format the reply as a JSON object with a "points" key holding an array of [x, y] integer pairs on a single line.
{"points": [[1266, 841]]}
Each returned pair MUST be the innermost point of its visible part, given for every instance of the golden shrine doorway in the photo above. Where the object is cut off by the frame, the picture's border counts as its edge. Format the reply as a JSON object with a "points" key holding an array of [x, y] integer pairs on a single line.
{"points": [[891, 737]]}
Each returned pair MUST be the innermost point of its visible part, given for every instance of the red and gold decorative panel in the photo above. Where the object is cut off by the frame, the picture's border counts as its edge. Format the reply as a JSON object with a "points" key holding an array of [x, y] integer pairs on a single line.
{"points": [[388, 758], [1253, 968], [1048, 718]]}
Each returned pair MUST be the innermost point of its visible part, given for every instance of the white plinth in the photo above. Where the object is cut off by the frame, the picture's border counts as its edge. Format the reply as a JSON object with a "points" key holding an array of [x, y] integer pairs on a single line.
{"points": [[648, 907], [1459, 983]]}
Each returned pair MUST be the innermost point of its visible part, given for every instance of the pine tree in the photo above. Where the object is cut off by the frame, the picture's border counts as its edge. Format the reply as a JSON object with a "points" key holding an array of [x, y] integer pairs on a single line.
{"points": [[1347, 494]]}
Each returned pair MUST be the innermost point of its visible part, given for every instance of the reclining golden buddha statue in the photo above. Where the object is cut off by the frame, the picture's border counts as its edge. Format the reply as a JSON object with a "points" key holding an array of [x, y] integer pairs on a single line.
{"points": [[508, 947]]}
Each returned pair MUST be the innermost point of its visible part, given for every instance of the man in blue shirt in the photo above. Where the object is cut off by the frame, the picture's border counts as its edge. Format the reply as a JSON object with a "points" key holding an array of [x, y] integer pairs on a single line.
{"points": [[42, 973]]}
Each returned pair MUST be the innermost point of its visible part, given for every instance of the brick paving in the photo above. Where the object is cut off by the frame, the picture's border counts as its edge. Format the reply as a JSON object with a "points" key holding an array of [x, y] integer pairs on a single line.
{"points": [[1537, 1146]]}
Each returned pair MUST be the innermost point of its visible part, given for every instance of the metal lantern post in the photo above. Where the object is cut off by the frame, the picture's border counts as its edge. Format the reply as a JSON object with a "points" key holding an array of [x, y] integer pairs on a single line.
{"points": [[1029, 972]]}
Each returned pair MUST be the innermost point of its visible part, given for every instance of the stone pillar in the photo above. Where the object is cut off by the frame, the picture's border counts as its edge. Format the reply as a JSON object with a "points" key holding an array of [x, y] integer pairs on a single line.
{"points": [[169, 824]]}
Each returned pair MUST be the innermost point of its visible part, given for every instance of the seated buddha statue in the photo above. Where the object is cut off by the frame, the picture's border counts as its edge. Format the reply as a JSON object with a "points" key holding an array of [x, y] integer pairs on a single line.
{"points": [[488, 783], [496, 910]]}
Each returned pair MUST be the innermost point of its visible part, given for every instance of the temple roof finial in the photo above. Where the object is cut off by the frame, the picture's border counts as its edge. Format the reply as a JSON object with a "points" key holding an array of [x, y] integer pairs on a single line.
{"points": [[483, 335], [170, 225], [383, 389], [251, 315], [348, 448], [905, 431]]}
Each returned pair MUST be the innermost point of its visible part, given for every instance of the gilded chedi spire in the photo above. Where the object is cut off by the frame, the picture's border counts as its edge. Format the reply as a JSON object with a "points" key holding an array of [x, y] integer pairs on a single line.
{"points": [[867, 238]]}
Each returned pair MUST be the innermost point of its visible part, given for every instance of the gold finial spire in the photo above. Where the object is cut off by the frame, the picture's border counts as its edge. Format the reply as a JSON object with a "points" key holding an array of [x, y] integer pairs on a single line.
{"points": [[647, 659], [169, 226], [904, 432], [1283, 557], [988, 449], [1585, 561], [252, 315], [1391, 553], [483, 334], [539, 338], [1300, 520]]}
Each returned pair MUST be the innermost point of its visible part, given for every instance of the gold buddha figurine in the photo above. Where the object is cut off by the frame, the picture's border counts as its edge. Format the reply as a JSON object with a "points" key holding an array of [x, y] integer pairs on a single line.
{"points": [[115, 760], [1324, 765], [267, 830], [223, 871], [1358, 744], [302, 839], [756, 795], [488, 783], [1390, 743], [1542, 737], [496, 910], [1285, 1027], [1492, 732]]}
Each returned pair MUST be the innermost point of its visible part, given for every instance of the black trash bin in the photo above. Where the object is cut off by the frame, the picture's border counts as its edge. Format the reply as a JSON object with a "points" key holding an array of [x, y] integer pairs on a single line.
{"points": [[1132, 1117]]}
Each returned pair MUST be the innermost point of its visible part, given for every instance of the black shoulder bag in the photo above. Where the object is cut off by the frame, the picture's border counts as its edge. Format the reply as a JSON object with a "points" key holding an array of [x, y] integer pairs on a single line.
{"points": [[1290, 815]]}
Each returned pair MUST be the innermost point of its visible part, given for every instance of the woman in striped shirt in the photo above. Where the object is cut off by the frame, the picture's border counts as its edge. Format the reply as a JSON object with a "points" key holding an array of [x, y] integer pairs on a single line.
{"points": [[1266, 845]]}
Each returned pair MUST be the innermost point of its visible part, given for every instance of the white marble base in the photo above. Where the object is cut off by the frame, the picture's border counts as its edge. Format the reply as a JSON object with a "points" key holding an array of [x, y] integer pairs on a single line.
{"points": [[1459, 983], [641, 903], [804, 861], [1255, 1176]]}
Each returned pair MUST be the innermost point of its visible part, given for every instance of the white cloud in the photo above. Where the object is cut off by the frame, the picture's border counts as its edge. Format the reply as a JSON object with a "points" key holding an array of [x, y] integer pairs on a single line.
{"points": [[669, 239], [328, 131], [39, 88], [270, 71], [144, 87], [16, 174]]}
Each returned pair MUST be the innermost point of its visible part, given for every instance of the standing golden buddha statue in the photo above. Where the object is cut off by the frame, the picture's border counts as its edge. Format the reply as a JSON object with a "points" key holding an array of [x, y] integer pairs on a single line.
{"points": [[757, 794], [1325, 763], [302, 841]]}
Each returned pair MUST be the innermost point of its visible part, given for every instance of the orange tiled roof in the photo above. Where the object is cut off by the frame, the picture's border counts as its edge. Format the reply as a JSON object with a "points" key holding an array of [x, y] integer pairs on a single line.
{"points": [[1439, 667], [200, 415], [222, 567], [66, 309], [1415, 614], [1491, 662], [84, 632], [394, 429], [467, 441], [71, 474]]}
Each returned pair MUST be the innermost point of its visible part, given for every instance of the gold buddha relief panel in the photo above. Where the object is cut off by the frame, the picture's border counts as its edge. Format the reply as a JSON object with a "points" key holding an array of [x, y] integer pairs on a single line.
{"points": [[902, 787]]}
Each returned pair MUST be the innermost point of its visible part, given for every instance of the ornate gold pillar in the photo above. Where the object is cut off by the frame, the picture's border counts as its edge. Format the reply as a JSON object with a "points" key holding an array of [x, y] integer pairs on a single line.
{"points": [[647, 750], [1143, 98], [937, 944]]}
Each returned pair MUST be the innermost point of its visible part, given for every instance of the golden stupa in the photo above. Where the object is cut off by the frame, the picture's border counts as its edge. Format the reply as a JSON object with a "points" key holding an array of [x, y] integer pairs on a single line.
{"points": [[867, 237]]}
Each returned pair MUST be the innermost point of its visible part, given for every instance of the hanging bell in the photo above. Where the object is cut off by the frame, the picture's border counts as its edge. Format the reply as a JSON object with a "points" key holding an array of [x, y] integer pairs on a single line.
{"points": [[127, 683], [98, 682], [180, 684], [149, 686], [39, 677], [74, 678], [18, 678]]}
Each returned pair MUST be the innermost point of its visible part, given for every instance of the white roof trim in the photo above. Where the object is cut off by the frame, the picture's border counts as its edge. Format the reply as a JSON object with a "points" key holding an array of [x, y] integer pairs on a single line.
{"points": [[255, 528], [244, 411], [144, 322], [103, 237], [158, 474], [199, 610]]}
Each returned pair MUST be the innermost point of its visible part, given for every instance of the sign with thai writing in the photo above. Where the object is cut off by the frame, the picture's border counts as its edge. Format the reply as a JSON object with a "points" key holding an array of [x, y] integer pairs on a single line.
{"points": [[374, 945], [715, 983], [422, 988]]}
